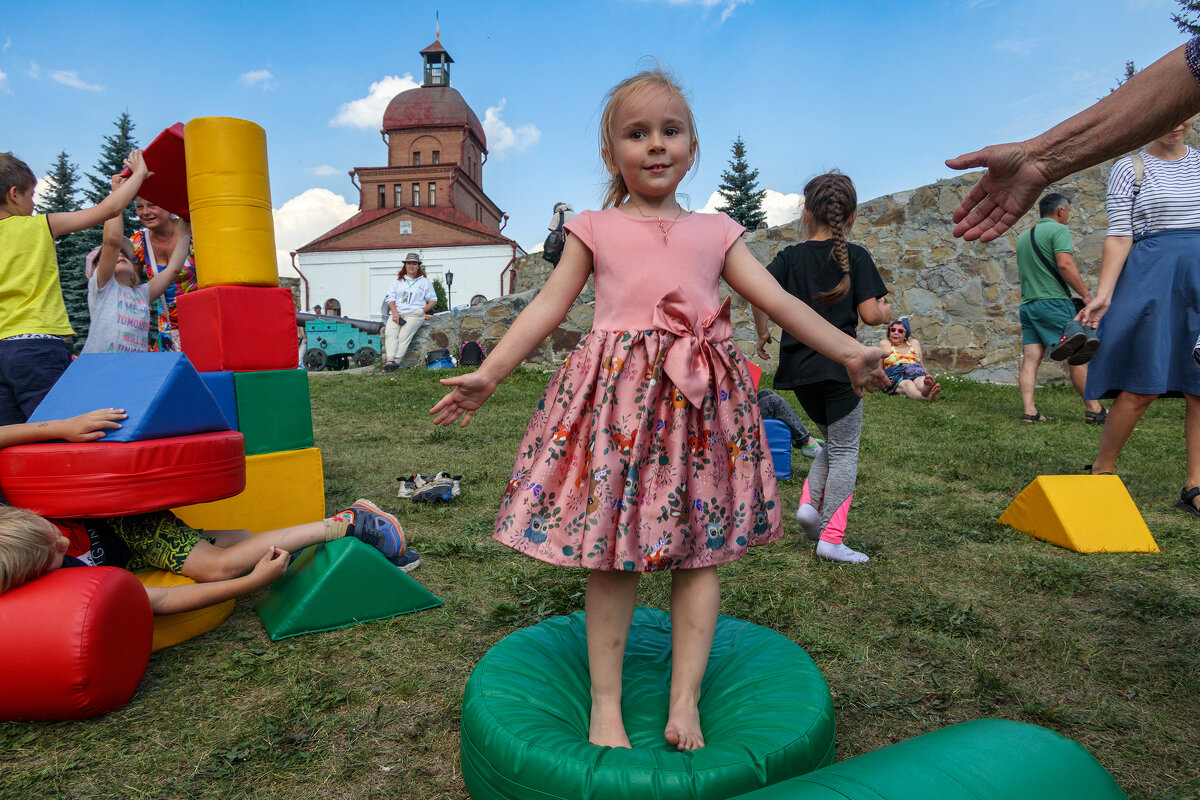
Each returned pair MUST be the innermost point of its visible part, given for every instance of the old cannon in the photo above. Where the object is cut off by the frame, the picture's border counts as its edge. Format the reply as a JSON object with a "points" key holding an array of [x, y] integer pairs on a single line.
{"points": [[334, 341]]}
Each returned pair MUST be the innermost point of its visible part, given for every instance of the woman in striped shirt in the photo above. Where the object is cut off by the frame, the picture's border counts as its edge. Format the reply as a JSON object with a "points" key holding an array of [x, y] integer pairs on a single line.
{"points": [[1148, 301]]}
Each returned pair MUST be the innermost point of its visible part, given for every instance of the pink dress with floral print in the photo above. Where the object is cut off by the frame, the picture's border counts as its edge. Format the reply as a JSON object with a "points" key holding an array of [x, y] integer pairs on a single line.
{"points": [[646, 451]]}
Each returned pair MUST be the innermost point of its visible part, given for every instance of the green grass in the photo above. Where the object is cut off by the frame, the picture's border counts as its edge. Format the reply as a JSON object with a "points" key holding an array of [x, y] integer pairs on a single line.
{"points": [[955, 618]]}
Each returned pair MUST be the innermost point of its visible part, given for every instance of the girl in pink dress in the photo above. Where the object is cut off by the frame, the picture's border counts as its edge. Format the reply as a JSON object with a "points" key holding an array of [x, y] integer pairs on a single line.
{"points": [[646, 451]]}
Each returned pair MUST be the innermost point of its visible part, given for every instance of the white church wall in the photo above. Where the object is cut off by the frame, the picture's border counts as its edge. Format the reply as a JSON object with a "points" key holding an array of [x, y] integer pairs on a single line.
{"points": [[359, 279]]}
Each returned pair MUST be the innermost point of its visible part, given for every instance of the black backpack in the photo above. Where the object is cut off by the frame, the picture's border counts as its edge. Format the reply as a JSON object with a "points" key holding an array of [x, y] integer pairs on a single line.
{"points": [[471, 354], [552, 248]]}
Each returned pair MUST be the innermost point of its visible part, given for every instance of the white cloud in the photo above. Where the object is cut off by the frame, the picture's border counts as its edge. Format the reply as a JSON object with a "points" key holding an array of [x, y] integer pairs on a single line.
{"points": [[7, 44], [367, 112], [324, 169], [304, 218], [501, 137], [258, 76], [727, 6], [45, 185], [69, 77], [4, 83], [34, 70], [1016, 45], [781, 208]]}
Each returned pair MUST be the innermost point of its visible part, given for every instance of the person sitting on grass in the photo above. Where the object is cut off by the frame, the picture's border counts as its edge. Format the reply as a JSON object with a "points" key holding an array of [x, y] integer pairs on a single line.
{"points": [[224, 564], [772, 406], [903, 364]]}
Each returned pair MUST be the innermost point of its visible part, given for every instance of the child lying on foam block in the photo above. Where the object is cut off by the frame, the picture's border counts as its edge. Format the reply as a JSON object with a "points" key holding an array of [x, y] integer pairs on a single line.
{"points": [[224, 564]]}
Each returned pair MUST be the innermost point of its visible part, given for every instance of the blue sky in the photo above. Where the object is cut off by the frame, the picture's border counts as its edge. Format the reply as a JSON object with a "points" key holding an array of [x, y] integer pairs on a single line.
{"points": [[884, 91]]}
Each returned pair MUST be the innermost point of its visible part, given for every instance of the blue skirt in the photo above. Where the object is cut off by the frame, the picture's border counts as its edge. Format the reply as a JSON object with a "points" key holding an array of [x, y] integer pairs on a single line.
{"points": [[1147, 335]]}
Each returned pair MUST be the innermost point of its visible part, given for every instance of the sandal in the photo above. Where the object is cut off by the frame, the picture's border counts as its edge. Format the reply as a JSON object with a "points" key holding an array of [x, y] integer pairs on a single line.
{"points": [[1087, 470], [1095, 417], [1186, 496], [1036, 416]]}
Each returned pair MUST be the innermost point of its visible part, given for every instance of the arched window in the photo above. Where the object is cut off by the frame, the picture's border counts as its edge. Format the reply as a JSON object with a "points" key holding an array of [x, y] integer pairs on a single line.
{"points": [[333, 307]]}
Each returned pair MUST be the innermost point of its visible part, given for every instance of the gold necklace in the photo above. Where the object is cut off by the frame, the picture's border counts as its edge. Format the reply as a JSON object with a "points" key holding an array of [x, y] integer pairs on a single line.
{"points": [[659, 220]]}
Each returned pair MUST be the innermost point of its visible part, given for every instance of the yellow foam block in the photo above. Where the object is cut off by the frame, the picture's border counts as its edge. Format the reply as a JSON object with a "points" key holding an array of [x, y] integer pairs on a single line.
{"points": [[1084, 513], [229, 194], [282, 489], [171, 629]]}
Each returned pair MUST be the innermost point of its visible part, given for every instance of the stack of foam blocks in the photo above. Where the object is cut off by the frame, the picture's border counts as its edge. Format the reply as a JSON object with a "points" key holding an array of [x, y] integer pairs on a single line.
{"points": [[239, 331]]}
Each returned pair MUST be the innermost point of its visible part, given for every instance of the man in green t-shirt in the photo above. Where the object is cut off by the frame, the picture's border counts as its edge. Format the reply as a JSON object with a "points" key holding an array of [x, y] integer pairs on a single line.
{"points": [[1046, 263]]}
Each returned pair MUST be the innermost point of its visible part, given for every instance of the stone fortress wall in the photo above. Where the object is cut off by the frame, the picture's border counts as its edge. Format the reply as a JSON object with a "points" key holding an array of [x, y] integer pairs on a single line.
{"points": [[961, 298]]}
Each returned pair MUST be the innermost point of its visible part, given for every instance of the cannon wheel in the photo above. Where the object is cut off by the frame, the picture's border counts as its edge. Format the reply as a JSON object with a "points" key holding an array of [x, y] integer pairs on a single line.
{"points": [[315, 359], [339, 362], [365, 357]]}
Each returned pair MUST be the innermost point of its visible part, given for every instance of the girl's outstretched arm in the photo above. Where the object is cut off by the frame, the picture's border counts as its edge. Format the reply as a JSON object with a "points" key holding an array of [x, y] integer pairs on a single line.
{"points": [[533, 325], [751, 280], [183, 240]]}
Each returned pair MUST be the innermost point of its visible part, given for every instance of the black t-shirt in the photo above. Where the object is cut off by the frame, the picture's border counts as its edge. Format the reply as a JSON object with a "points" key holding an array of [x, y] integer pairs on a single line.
{"points": [[805, 270]]}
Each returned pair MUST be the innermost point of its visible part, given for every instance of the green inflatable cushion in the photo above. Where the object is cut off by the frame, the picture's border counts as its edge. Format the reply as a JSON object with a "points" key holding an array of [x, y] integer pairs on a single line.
{"points": [[766, 712], [987, 759]]}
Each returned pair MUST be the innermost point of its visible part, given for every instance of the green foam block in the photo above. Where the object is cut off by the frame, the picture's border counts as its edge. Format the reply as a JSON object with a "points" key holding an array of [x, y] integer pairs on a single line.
{"points": [[336, 585], [273, 409]]}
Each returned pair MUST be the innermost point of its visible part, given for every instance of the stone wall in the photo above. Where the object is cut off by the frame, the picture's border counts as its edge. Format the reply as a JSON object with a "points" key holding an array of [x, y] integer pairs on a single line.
{"points": [[962, 298]]}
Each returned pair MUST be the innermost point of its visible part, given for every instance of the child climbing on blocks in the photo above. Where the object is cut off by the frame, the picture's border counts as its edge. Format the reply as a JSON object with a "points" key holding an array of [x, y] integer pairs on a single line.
{"points": [[32, 352], [118, 301], [224, 564]]}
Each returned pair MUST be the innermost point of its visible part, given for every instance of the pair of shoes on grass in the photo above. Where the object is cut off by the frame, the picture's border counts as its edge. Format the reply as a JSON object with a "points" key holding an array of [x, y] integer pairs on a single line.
{"points": [[372, 525], [813, 448], [442, 487], [810, 522], [390, 366], [1077, 345]]}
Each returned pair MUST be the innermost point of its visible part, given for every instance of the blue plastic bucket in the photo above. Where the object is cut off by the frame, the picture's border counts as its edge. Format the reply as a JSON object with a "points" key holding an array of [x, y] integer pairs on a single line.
{"points": [[779, 440]]}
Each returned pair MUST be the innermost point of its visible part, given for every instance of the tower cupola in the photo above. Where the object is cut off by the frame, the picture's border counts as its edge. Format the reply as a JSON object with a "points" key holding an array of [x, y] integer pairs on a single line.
{"points": [[437, 65]]}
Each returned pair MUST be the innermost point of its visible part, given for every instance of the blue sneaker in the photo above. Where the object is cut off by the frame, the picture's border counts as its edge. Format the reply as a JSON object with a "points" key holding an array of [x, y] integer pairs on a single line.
{"points": [[409, 561], [372, 525]]}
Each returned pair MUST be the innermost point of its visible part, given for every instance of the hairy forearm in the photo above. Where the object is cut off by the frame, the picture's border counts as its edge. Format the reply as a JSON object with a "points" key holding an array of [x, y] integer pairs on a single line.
{"points": [[1145, 107]]}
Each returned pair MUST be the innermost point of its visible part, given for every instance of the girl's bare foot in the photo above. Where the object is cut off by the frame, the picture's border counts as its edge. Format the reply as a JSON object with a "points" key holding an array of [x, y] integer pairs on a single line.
{"points": [[930, 388], [607, 727], [683, 727]]}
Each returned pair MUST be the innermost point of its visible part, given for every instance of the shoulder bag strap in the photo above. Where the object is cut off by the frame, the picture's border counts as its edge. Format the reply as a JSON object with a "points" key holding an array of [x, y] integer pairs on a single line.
{"points": [[1046, 261]]}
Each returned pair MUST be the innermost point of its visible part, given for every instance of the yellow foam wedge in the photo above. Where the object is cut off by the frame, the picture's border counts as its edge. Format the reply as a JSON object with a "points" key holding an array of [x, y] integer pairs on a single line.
{"points": [[282, 489], [1084, 513]]}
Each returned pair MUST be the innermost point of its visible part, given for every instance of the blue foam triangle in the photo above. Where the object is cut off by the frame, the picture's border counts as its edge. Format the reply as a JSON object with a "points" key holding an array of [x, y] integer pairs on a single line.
{"points": [[221, 386], [161, 392]]}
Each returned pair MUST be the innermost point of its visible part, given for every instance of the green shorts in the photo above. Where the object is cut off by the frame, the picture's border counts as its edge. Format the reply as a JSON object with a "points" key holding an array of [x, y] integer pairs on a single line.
{"points": [[1042, 321], [156, 541]]}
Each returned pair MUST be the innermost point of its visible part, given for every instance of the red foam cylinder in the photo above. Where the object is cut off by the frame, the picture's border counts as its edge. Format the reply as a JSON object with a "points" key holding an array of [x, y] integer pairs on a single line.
{"points": [[239, 328], [74, 644], [113, 479]]}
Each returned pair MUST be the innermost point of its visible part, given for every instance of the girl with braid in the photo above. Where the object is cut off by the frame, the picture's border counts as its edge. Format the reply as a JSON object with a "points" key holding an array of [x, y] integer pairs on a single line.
{"points": [[840, 282]]}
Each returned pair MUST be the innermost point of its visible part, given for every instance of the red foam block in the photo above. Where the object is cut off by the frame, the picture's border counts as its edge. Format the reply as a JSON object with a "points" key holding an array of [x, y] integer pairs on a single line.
{"points": [[239, 328], [73, 644], [167, 187], [113, 479]]}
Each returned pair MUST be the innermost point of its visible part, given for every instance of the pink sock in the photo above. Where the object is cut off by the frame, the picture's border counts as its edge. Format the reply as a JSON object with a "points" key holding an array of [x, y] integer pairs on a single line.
{"points": [[835, 531]]}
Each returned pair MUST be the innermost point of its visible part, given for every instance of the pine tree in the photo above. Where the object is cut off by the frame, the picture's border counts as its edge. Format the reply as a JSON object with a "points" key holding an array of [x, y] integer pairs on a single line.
{"points": [[113, 153], [1189, 21], [738, 185], [72, 249], [1130, 71]]}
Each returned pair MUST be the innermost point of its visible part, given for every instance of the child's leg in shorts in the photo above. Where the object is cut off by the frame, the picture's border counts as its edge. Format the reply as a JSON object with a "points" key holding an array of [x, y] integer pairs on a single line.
{"points": [[695, 600], [609, 610]]}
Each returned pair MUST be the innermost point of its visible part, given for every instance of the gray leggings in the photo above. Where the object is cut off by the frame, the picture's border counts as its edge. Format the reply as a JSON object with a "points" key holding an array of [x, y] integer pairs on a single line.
{"points": [[772, 406], [834, 472]]}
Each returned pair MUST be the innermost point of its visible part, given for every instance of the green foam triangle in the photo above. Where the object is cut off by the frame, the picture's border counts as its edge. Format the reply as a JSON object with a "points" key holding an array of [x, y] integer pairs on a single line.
{"points": [[336, 585]]}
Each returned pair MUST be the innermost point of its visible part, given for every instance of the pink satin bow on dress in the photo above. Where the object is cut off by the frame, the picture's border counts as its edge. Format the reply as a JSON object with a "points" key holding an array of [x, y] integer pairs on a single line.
{"points": [[691, 361]]}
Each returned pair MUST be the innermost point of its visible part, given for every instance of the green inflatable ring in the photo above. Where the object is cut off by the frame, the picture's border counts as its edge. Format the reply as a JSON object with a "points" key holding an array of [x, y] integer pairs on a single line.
{"points": [[766, 711], [986, 759]]}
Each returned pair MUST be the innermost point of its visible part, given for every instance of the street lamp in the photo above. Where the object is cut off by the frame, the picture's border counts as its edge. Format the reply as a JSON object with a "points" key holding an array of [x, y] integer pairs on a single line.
{"points": [[449, 283]]}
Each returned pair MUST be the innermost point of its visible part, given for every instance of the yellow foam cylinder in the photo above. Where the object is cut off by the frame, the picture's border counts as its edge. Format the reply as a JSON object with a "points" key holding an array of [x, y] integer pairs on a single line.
{"points": [[171, 629], [282, 489], [229, 194]]}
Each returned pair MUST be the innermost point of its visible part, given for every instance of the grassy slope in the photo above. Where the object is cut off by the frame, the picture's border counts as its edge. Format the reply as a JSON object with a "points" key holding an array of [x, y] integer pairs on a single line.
{"points": [[956, 617]]}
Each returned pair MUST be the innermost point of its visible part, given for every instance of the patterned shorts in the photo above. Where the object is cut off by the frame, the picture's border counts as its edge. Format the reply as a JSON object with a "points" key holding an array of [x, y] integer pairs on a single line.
{"points": [[158, 540]]}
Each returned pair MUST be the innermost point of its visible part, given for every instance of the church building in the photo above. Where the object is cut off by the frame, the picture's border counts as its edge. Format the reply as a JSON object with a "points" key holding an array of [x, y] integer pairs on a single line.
{"points": [[429, 199]]}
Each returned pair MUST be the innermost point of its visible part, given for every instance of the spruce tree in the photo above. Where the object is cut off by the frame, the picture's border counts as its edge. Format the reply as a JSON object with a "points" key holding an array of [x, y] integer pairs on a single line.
{"points": [[113, 152], [1130, 71], [1189, 20], [738, 188], [71, 249]]}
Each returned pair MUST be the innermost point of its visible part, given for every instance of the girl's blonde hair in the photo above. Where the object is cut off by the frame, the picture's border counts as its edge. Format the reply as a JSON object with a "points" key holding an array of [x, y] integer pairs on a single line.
{"points": [[24, 547], [656, 78], [830, 201]]}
